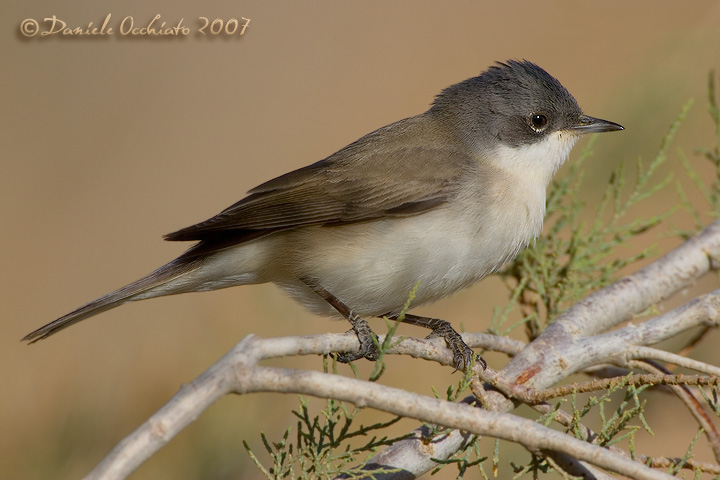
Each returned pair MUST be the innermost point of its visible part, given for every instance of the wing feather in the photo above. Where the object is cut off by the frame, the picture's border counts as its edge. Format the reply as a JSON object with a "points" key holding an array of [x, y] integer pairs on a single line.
{"points": [[382, 174]]}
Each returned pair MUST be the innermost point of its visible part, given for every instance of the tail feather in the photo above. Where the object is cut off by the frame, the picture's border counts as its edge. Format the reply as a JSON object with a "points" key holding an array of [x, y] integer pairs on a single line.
{"points": [[130, 292]]}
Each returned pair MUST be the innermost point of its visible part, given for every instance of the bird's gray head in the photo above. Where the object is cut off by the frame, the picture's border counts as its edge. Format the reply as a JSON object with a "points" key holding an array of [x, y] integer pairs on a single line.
{"points": [[518, 115], [516, 103]]}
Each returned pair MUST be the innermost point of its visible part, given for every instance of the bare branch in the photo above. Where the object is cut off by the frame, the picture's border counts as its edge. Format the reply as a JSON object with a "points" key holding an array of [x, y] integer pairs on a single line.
{"points": [[640, 353], [237, 372], [545, 361]]}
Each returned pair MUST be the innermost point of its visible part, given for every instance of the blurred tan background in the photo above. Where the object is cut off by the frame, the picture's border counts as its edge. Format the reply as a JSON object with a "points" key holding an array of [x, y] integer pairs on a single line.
{"points": [[108, 143]]}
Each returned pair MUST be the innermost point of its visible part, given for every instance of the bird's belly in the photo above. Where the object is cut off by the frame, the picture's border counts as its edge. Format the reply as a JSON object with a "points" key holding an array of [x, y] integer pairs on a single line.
{"points": [[372, 267]]}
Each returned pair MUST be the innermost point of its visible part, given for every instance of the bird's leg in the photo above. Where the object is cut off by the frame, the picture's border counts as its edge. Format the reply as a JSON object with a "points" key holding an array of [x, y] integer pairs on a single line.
{"points": [[365, 335], [462, 354]]}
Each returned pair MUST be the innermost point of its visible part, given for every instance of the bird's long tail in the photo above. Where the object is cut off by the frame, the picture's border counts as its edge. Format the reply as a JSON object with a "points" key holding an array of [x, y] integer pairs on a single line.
{"points": [[146, 287]]}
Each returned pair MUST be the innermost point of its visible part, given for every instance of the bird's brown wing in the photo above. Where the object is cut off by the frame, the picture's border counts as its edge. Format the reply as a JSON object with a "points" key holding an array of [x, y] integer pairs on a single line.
{"points": [[356, 184]]}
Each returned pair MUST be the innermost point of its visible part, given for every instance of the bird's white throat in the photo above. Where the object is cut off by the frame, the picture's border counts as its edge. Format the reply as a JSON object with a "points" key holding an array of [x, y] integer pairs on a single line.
{"points": [[539, 160]]}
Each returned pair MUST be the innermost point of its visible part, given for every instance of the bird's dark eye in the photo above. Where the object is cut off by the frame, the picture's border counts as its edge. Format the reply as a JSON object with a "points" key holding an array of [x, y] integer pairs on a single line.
{"points": [[538, 122]]}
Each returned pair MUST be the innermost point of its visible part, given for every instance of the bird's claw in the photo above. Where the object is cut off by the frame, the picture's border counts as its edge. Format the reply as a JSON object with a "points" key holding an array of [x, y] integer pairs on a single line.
{"points": [[462, 354], [368, 348]]}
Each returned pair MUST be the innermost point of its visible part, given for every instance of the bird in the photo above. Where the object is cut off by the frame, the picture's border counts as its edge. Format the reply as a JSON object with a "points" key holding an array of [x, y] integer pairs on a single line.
{"points": [[434, 202]]}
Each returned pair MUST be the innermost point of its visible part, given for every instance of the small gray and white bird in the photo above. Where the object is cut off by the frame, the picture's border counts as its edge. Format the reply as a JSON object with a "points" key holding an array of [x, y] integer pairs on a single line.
{"points": [[440, 199]]}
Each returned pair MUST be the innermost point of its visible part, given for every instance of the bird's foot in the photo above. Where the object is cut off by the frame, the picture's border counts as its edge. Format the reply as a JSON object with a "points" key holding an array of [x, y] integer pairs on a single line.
{"points": [[368, 343], [462, 354]]}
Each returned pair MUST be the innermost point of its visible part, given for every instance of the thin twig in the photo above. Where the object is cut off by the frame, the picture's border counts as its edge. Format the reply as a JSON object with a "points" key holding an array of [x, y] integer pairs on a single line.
{"points": [[640, 353], [692, 343], [634, 380], [668, 462], [696, 409]]}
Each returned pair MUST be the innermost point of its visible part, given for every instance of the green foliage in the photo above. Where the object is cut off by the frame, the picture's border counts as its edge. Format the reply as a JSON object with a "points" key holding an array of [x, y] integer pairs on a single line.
{"points": [[465, 460], [322, 446], [688, 455], [537, 465], [711, 193], [712, 399]]}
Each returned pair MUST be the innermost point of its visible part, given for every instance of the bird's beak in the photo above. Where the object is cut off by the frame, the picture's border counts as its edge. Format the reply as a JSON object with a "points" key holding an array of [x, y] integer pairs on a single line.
{"points": [[594, 125]]}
